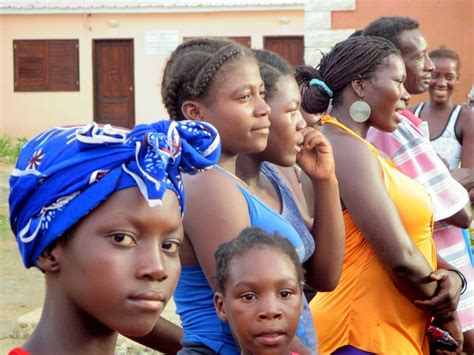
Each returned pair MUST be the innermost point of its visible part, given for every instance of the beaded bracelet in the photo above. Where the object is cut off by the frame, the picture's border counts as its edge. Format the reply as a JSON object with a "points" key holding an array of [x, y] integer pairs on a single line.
{"points": [[463, 280]]}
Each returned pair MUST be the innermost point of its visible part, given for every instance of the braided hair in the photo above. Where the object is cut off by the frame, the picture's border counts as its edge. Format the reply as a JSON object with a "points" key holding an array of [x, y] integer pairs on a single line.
{"points": [[250, 239], [352, 59], [192, 68], [272, 67]]}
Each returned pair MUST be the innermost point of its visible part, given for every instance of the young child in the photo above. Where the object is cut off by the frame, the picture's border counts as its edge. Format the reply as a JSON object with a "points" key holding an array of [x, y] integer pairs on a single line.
{"points": [[259, 291], [99, 211]]}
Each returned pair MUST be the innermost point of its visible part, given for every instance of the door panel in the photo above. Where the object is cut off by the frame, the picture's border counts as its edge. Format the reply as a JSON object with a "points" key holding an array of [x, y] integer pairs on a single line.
{"points": [[289, 47], [114, 98]]}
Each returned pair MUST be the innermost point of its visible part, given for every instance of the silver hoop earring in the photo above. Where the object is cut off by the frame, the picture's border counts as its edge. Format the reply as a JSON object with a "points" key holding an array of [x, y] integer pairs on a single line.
{"points": [[360, 111]]}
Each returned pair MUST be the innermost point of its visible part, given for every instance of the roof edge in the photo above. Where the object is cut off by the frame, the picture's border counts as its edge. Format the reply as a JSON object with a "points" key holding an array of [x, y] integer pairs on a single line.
{"points": [[139, 10]]}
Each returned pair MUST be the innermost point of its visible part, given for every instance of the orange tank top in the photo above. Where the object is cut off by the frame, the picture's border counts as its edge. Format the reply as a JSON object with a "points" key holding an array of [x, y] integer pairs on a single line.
{"points": [[366, 310]]}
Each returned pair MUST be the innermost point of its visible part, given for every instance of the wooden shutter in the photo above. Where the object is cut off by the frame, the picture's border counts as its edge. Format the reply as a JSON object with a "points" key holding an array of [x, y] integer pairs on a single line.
{"points": [[46, 65], [31, 67]]}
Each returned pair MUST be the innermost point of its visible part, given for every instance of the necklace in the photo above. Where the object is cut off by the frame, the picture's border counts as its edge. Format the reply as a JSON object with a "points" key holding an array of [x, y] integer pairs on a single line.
{"points": [[235, 177]]}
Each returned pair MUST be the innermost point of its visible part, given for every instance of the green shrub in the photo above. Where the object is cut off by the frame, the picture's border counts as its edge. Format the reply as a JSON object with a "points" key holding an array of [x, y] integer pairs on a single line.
{"points": [[10, 148]]}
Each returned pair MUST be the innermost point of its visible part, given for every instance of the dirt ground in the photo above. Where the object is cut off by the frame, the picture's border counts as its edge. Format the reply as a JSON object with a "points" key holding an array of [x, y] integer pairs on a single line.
{"points": [[22, 290]]}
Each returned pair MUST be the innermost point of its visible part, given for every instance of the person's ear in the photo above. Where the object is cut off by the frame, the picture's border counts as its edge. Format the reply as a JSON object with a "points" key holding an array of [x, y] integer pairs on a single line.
{"points": [[358, 85], [48, 261], [220, 307], [192, 110]]}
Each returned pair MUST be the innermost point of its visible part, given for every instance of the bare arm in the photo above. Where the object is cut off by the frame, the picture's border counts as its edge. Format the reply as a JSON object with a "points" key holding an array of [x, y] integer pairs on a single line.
{"points": [[466, 127], [364, 194], [216, 212], [317, 161]]}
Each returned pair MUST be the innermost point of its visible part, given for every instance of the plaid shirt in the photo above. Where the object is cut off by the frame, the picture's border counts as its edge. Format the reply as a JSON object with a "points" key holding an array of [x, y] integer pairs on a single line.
{"points": [[411, 152]]}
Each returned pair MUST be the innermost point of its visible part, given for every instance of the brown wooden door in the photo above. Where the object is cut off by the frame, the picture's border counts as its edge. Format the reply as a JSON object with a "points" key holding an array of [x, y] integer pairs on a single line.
{"points": [[289, 47], [114, 98]]}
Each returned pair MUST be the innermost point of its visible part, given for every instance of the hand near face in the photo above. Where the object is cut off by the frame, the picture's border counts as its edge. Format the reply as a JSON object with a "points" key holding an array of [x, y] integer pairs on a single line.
{"points": [[316, 157]]}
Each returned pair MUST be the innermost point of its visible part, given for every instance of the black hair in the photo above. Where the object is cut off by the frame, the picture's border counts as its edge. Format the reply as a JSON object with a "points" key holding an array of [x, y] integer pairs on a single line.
{"points": [[251, 239], [356, 33], [272, 68], [192, 68], [390, 28], [444, 52], [355, 58]]}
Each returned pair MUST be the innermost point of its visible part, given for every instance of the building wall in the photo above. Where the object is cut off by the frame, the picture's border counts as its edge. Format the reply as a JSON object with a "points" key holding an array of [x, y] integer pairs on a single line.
{"points": [[443, 22], [26, 113]]}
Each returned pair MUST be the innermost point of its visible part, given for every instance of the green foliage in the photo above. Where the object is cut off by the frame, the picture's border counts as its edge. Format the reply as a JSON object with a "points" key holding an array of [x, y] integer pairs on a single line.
{"points": [[10, 148]]}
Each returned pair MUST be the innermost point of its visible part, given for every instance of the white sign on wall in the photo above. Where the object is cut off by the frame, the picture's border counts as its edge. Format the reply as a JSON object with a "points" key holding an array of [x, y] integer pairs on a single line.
{"points": [[161, 42]]}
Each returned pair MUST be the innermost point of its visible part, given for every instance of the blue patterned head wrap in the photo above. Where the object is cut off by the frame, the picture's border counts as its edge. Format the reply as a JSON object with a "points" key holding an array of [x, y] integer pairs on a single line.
{"points": [[63, 173]]}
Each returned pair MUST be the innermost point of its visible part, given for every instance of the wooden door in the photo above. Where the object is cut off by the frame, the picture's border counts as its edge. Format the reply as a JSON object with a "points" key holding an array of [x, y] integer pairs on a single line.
{"points": [[289, 47], [114, 98]]}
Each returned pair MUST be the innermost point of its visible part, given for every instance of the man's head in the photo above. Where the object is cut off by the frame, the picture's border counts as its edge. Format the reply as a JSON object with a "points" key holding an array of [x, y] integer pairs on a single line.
{"points": [[404, 33]]}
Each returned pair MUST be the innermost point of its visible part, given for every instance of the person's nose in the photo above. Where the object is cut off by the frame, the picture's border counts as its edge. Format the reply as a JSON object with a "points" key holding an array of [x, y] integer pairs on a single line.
{"points": [[261, 107], [405, 96], [269, 308], [300, 121], [151, 264], [429, 66]]}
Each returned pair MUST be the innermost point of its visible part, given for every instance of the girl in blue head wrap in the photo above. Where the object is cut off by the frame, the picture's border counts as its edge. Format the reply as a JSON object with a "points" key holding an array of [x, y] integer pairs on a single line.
{"points": [[99, 211]]}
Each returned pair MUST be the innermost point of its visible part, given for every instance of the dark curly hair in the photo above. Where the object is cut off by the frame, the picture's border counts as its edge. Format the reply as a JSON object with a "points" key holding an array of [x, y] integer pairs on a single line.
{"points": [[357, 57], [444, 52], [192, 68], [251, 239], [390, 27], [272, 67]]}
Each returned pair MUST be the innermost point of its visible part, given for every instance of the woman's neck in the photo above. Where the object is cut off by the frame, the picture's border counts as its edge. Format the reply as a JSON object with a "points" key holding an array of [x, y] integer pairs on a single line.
{"points": [[440, 106], [65, 329], [227, 162], [248, 170], [343, 116]]}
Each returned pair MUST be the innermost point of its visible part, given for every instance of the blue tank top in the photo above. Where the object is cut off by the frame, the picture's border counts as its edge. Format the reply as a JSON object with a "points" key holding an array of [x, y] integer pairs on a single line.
{"points": [[194, 295]]}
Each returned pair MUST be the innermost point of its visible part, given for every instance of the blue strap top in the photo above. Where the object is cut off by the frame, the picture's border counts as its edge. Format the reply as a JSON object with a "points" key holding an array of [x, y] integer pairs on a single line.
{"points": [[290, 210], [194, 296]]}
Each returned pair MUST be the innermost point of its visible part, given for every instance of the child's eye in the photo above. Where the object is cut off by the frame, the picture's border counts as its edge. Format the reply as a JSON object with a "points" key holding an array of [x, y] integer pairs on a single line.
{"points": [[263, 93], [170, 246], [244, 97], [248, 297], [285, 293], [122, 239]]}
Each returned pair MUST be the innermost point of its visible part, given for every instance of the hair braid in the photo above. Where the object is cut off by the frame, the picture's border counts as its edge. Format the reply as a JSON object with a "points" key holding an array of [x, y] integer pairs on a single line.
{"points": [[191, 68], [354, 58]]}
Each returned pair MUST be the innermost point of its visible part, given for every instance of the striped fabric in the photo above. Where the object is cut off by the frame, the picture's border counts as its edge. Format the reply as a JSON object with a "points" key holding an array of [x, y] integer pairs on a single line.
{"points": [[413, 155], [410, 150]]}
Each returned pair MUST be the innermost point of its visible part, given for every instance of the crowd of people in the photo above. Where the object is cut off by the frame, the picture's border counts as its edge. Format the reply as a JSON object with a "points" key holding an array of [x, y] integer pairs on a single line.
{"points": [[272, 234]]}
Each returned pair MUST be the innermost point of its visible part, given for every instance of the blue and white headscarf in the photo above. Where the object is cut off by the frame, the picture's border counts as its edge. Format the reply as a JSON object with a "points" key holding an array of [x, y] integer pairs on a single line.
{"points": [[65, 172]]}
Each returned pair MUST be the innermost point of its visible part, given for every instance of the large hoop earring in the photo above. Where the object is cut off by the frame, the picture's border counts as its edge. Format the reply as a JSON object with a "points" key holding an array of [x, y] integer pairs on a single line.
{"points": [[360, 111]]}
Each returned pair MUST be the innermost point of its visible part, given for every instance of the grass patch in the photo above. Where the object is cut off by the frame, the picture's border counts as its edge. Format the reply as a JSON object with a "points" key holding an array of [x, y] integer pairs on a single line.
{"points": [[10, 148], [5, 231]]}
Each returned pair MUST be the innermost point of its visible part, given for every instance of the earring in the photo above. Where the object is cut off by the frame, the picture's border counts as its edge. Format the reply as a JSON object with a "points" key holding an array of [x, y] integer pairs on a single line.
{"points": [[360, 111]]}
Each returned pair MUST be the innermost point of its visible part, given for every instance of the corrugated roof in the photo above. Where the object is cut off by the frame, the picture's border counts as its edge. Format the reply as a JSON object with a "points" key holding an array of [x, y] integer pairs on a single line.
{"points": [[127, 4]]}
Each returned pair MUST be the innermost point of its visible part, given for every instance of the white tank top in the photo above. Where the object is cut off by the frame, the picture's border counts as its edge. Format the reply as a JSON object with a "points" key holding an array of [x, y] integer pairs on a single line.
{"points": [[446, 145]]}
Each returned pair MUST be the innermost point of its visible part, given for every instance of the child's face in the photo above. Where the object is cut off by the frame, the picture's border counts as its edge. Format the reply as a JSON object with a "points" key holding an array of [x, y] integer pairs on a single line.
{"points": [[120, 266], [262, 301]]}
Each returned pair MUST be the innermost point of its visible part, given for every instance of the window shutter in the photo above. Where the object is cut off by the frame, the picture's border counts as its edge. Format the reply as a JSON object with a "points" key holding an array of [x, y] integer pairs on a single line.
{"points": [[63, 63], [46, 65], [31, 69]]}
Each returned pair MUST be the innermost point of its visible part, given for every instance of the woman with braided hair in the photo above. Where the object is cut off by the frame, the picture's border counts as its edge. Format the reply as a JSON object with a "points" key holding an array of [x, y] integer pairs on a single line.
{"points": [[218, 81], [390, 253]]}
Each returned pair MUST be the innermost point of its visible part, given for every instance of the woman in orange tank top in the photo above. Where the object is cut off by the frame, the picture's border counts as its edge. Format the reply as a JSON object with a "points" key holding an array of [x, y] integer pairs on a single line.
{"points": [[390, 254]]}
